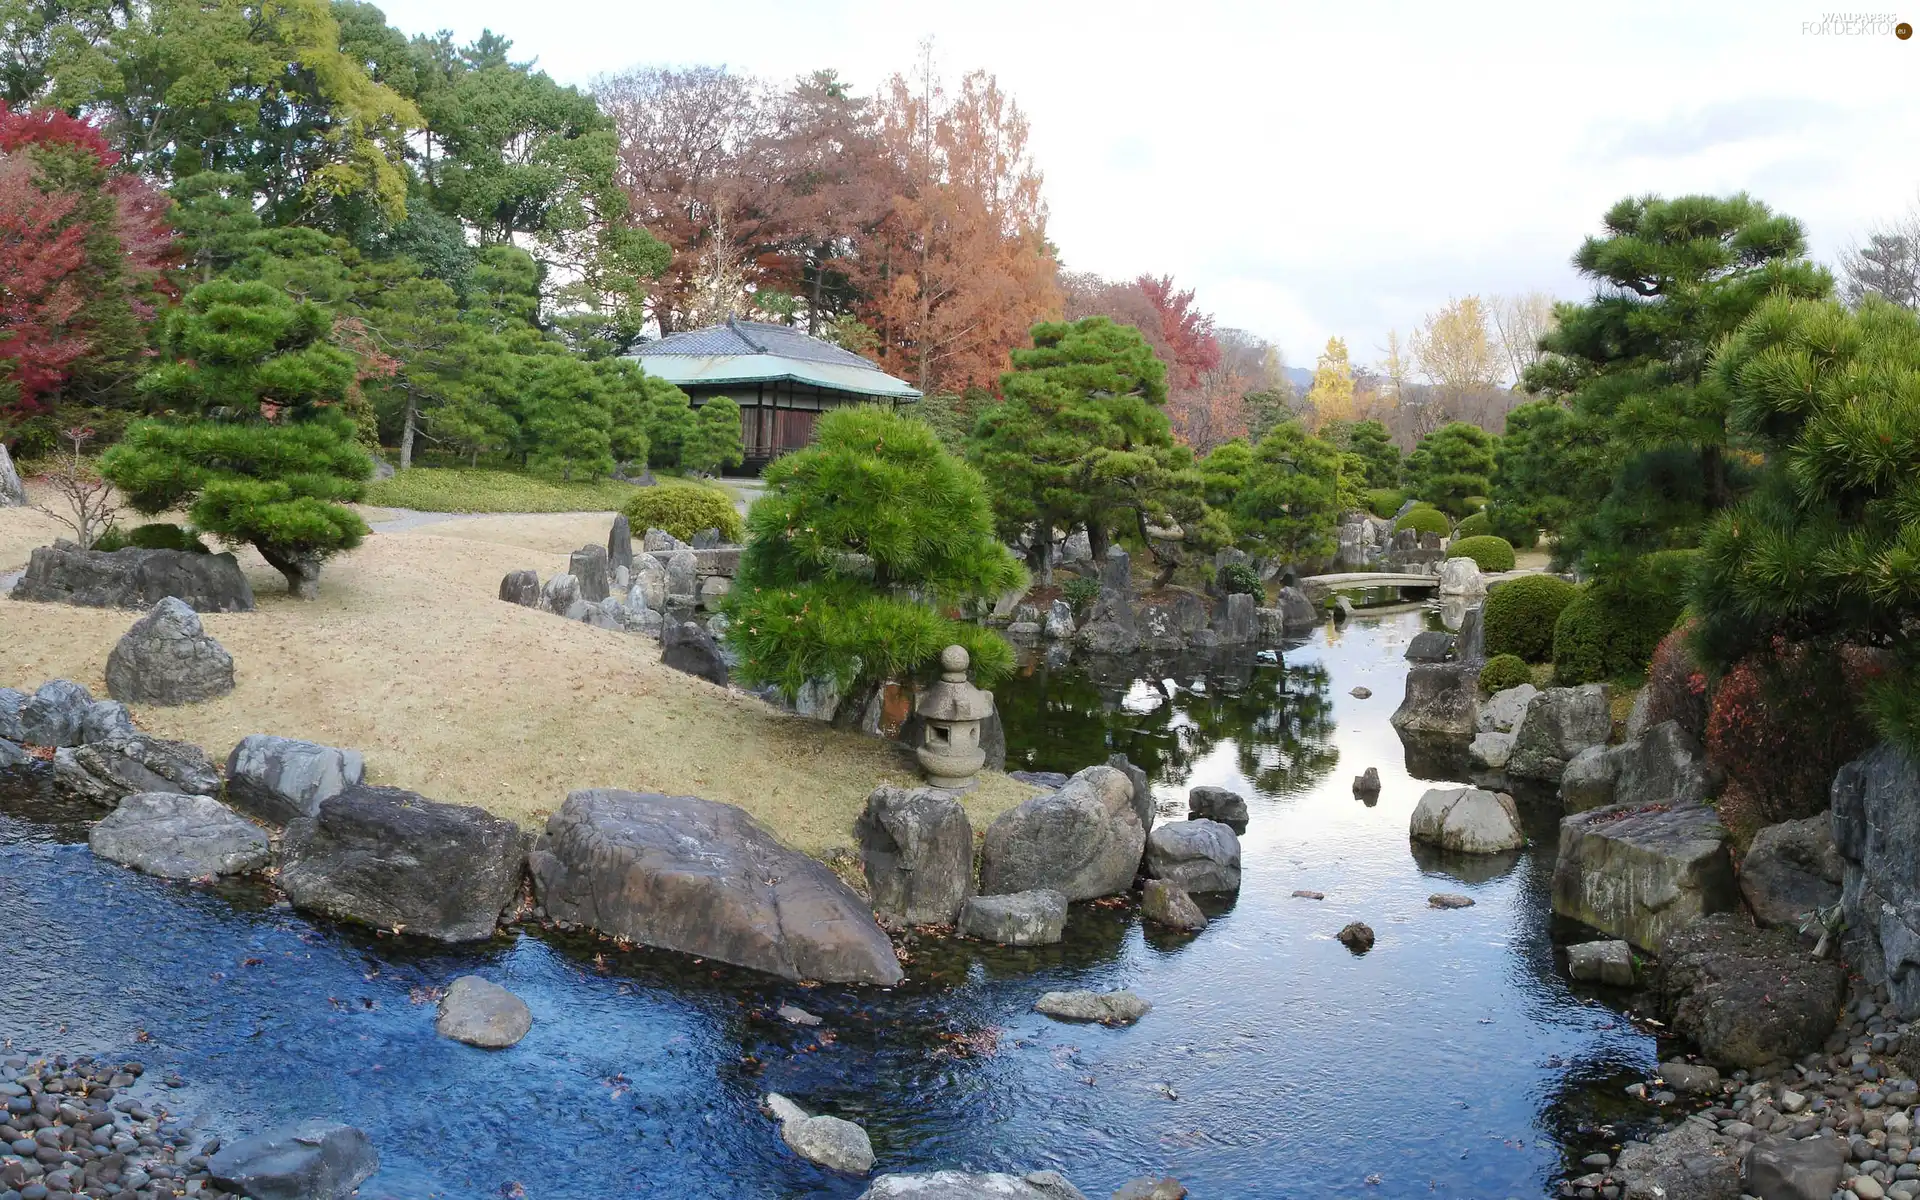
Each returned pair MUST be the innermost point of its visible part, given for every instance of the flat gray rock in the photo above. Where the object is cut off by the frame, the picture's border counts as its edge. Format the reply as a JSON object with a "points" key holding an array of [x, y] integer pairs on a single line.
{"points": [[481, 1013], [1032, 918], [103, 772], [313, 1160], [1642, 874], [177, 836], [834, 1143], [966, 1185], [168, 659], [1119, 1007], [281, 779], [1196, 856], [63, 573]]}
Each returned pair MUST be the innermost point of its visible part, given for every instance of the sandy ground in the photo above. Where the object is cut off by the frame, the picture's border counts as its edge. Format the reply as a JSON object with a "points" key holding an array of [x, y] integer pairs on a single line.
{"points": [[409, 657]]}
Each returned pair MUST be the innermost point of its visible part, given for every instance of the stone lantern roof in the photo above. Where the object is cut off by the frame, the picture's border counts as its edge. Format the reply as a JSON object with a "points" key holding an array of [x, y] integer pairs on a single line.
{"points": [[954, 698]]}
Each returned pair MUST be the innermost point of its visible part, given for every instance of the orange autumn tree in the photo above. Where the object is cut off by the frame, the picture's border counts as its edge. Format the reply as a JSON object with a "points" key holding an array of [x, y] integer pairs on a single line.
{"points": [[958, 269]]}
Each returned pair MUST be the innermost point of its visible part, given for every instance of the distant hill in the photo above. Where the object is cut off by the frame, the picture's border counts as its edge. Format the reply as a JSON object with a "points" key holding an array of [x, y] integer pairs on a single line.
{"points": [[1300, 377]]}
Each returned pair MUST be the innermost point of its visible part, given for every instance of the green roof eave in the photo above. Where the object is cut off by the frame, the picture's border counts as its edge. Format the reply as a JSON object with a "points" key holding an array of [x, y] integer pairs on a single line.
{"points": [[718, 370]]}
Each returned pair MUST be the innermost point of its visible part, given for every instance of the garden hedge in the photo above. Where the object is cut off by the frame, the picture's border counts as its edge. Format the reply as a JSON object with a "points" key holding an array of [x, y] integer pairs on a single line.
{"points": [[1611, 629], [1504, 671], [1491, 553], [1425, 520], [1520, 614], [684, 509]]}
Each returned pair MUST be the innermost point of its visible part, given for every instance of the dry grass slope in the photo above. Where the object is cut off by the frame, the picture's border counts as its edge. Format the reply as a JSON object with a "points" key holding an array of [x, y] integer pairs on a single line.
{"points": [[409, 657]]}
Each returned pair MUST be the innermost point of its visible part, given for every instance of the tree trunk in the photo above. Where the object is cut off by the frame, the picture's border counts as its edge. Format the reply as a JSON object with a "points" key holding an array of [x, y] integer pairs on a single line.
{"points": [[1097, 543], [406, 432], [1040, 561], [302, 571], [1714, 466]]}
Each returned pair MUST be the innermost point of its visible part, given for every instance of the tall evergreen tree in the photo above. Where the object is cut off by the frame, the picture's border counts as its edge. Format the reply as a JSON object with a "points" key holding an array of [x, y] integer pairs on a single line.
{"points": [[1451, 464]]}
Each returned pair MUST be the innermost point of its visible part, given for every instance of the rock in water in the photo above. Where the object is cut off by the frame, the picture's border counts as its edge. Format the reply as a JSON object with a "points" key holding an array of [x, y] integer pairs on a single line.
{"points": [[1470, 644], [1441, 705], [1876, 829], [65, 574], [313, 1160], [1505, 709], [687, 647], [1641, 875], [1148, 1188], [1687, 1163], [1430, 646], [1196, 856], [917, 850], [1356, 936], [1791, 870], [589, 566], [522, 588], [961, 1185], [1608, 962], [834, 1143], [1120, 1007], [280, 779], [620, 543], [1449, 900], [1083, 841], [1490, 750], [1367, 783], [1142, 791], [167, 658], [481, 1013], [56, 715], [105, 771], [1035, 918], [1782, 1167], [1218, 804], [1468, 820], [1559, 724], [395, 860], [175, 836], [1168, 904], [691, 875], [1748, 997]]}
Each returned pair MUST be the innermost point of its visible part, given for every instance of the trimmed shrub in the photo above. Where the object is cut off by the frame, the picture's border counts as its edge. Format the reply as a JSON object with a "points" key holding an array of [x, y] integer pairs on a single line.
{"points": [[1519, 616], [1425, 520], [1384, 501], [1491, 553], [684, 509], [163, 536], [1580, 641], [1623, 619], [1519, 530], [1504, 671], [1474, 525], [1476, 504], [1782, 723], [1676, 685], [1080, 591], [1240, 577]]}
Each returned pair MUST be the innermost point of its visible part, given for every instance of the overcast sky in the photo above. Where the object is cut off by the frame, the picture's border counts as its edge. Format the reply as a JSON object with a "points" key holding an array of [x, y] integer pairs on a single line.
{"points": [[1339, 167]]}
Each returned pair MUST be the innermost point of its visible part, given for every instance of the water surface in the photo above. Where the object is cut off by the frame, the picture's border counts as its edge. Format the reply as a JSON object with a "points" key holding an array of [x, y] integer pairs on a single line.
{"points": [[1452, 1060]]}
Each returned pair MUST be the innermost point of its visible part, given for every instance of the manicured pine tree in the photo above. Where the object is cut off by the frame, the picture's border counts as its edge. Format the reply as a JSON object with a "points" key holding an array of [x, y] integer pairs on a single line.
{"points": [[715, 443], [1450, 464]]}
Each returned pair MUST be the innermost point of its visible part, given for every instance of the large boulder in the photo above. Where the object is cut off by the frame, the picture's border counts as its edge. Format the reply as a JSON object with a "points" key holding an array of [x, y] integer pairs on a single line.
{"points": [[55, 715], [167, 659], [313, 1160], [1559, 723], [281, 779], [1196, 856], [1238, 624], [12, 700], [691, 875], [1664, 766], [481, 1013], [1033, 918], [1792, 869], [1468, 820], [962, 1185], [1441, 704], [1642, 874], [1218, 804], [1084, 840], [1876, 829], [589, 565], [1589, 779], [106, 719], [106, 771], [12, 493], [559, 594], [1505, 709], [1110, 627], [176, 836], [687, 646], [63, 573], [649, 583], [1461, 577], [683, 577], [521, 587], [916, 847], [1747, 997], [1781, 1167], [1297, 613], [395, 860]]}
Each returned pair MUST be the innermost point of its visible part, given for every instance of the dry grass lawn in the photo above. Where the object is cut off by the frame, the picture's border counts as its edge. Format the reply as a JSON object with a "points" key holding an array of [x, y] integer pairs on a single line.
{"points": [[409, 657]]}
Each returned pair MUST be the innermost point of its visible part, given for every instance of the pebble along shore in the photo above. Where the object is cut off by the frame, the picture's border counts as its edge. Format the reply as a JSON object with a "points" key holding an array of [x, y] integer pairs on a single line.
{"points": [[1859, 1091], [83, 1126]]}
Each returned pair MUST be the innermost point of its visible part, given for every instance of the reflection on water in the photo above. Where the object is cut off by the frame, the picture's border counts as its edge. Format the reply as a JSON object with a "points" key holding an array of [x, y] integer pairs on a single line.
{"points": [[1452, 1060]]}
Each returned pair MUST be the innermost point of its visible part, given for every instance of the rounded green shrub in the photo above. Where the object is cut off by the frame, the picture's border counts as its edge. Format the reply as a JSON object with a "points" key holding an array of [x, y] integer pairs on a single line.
{"points": [[1580, 640], [1473, 525], [1622, 618], [1492, 553], [1425, 520], [1474, 504], [1080, 591], [684, 509], [1241, 577], [1383, 501], [1520, 614], [1520, 531], [1504, 671]]}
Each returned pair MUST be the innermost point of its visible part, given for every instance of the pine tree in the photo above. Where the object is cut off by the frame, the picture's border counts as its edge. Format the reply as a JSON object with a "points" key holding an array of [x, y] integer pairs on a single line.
{"points": [[1286, 502], [859, 544], [715, 443], [1450, 464], [259, 447], [1374, 445]]}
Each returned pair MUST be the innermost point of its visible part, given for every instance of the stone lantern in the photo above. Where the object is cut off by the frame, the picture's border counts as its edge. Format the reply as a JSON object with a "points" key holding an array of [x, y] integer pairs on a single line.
{"points": [[952, 711]]}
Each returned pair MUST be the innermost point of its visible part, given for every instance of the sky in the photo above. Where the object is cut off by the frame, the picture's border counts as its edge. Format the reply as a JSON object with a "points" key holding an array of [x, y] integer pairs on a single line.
{"points": [[1340, 167]]}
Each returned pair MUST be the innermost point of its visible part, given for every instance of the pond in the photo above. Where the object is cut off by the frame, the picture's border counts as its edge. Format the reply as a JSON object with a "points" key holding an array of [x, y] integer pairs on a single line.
{"points": [[1454, 1059]]}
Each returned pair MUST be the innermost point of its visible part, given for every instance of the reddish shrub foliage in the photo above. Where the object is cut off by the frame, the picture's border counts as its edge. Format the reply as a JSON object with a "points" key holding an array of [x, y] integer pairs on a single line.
{"points": [[1676, 686], [1782, 723]]}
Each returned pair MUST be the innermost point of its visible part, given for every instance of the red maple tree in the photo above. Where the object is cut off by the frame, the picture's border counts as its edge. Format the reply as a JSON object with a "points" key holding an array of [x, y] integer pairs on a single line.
{"points": [[1187, 332]]}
